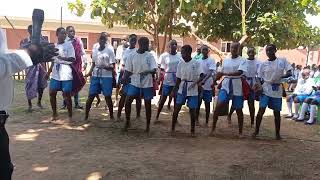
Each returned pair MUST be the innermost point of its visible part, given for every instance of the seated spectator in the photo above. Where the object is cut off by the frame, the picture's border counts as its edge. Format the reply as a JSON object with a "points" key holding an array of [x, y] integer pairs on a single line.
{"points": [[301, 92], [317, 73], [313, 101]]}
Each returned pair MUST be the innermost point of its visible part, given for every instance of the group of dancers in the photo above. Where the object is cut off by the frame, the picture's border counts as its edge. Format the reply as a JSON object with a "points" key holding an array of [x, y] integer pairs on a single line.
{"points": [[184, 78]]}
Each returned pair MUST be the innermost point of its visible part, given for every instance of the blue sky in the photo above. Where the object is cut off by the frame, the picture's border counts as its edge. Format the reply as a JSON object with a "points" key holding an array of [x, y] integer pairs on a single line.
{"points": [[24, 8]]}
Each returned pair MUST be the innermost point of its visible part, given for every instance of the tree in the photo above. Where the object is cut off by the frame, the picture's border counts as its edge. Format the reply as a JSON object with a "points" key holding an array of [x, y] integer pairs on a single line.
{"points": [[282, 22], [166, 17]]}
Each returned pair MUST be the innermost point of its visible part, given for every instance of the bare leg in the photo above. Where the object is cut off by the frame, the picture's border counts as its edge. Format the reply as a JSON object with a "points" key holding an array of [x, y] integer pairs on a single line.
{"points": [[277, 123], [198, 110], [207, 107], [138, 106], [121, 105], [258, 121], [169, 102], [30, 105], [88, 106], [215, 117], [98, 100], [128, 103], [176, 111], [53, 102], [148, 114], [160, 106], [230, 114], [68, 100], [193, 117], [110, 106], [40, 94], [240, 121], [252, 111]]}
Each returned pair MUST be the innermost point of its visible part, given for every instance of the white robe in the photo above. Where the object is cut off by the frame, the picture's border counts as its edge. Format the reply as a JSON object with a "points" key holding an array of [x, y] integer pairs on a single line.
{"points": [[10, 63]]}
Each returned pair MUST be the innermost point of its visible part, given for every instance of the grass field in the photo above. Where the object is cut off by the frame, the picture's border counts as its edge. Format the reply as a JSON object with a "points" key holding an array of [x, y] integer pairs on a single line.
{"points": [[101, 150]]}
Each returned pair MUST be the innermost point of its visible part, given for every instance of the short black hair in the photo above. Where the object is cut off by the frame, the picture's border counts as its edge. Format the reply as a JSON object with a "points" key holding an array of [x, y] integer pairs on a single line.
{"points": [[133, 36], [173, 41], [59, 30], [69, 27], [273, 46], [143, 40], [204, 46], [30, 28], [103, 35], [187, 48]]}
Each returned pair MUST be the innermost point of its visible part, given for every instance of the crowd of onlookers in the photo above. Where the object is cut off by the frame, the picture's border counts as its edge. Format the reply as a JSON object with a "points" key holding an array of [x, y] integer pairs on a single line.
{"points": [[305, 96]]}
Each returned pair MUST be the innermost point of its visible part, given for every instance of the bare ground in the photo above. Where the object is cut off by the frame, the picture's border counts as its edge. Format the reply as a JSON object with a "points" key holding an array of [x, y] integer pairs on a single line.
{"points": [[101, 150]]}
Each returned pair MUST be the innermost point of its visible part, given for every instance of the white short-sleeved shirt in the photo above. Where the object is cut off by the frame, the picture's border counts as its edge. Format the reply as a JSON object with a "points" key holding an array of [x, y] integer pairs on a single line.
{"points": [[252, 70], [125, 55], [271, 72], [63, 72], [101, 59], [169, 63], [230, 65], [208, 65], [189, 72], [304, 86], [137, 63]]}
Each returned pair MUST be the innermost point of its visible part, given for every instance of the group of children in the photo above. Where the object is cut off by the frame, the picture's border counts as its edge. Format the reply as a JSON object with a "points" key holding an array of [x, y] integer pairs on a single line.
{"points": [[305, 97], [184, 78]]}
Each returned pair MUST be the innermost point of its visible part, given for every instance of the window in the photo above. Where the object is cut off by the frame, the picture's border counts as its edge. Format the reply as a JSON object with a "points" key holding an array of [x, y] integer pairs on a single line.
{"points": [[225, 46], [46, 35], [84, 38], [85, 42]]}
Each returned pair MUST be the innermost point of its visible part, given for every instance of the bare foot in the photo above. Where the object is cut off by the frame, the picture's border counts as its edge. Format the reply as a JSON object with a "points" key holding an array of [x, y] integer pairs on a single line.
{"points": [[254, 135], [29, 110], [156, 121], [212, 133], [240, 136], [147, 130], [229, 122], [70, 119], [54, 118], [193, 135], [278, 137]]}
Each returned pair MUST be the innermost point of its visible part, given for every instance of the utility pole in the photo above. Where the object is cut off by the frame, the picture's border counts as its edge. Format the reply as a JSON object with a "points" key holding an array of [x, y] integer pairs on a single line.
{"points": [[61, 16]]}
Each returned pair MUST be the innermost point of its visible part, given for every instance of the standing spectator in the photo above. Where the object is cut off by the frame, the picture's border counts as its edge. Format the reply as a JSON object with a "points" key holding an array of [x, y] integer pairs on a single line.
{"points": [[35, 82], [81, 58], [317, 73]]}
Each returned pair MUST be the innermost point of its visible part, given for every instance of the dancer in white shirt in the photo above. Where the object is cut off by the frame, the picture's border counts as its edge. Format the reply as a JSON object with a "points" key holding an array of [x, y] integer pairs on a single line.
{"points": [[208, 66], [140, 66], [251, 77], [101, 72], [168, 65], [61, 79], [232, 69], [271, 72]]}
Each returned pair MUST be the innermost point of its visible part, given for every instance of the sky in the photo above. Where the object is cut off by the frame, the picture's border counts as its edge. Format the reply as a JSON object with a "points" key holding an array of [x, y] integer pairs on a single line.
{"points": [[24, 8]]}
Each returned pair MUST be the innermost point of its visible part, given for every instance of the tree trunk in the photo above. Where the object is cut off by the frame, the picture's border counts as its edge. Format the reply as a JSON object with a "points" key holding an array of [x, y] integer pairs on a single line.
{"points": [[213, 48], [243, 17]]}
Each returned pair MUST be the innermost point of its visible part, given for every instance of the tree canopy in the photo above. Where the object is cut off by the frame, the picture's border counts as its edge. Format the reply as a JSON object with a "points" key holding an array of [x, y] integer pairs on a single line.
{"points": [[282, 22]]}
